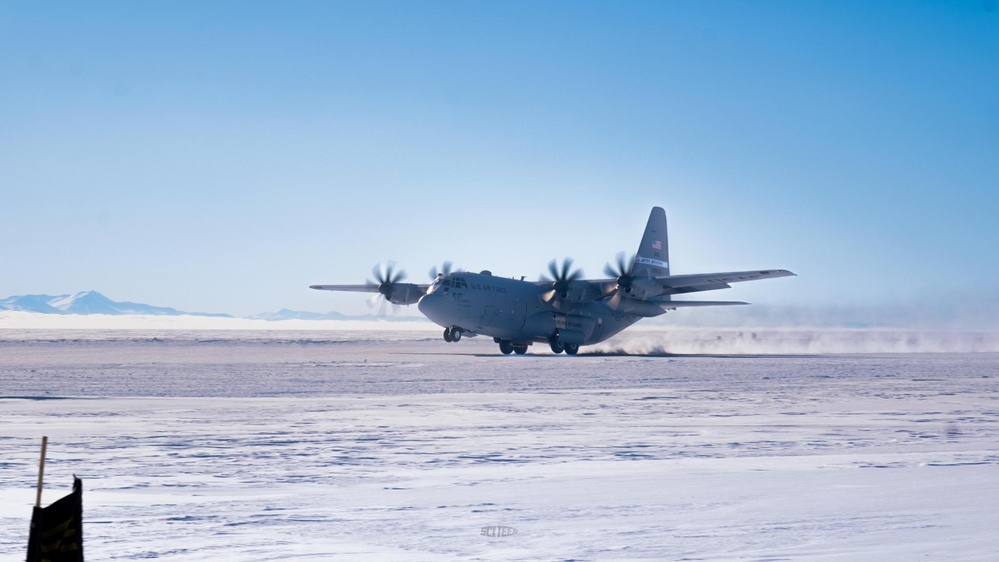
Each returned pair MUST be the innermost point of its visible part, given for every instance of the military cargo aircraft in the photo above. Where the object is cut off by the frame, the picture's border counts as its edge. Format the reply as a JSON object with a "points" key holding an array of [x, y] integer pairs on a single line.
{"points": [[562, 310]]}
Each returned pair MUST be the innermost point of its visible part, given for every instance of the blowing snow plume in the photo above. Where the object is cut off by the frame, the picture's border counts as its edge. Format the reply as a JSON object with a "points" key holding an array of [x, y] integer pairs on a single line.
{"points": [[792, 342]]}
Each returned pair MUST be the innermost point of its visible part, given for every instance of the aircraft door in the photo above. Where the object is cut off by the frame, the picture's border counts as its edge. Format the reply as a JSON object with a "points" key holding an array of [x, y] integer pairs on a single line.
{"points": [[598, 329]]}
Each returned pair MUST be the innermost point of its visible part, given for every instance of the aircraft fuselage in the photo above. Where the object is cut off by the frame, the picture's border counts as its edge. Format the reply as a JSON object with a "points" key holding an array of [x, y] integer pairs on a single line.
{"points": [[563, 308], [515, 310]]}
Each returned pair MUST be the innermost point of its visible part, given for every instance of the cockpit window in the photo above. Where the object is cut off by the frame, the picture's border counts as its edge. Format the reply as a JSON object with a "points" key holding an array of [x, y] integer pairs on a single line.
{"points": [[454, 282]]}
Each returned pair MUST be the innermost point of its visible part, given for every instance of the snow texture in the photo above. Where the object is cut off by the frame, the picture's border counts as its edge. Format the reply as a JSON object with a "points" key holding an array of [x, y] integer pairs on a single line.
{"points": [[202, 445]]}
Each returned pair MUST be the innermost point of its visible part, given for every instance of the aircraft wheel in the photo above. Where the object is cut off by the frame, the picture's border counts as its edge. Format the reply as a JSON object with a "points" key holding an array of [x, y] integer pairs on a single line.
{"points": [[455, 334], [571, 349], [520, 349], [506, 348], [447, 335], [557, 346]]}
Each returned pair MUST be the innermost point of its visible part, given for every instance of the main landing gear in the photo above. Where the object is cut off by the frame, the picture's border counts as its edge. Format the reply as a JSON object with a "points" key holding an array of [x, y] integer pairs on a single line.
{"points": [[452, 334], [507, 347], [558, 347]]}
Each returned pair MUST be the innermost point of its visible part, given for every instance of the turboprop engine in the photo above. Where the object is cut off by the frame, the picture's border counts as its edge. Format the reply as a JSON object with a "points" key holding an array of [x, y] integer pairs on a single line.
{"points": [[644, 289], [389, 283], [403, 293]]}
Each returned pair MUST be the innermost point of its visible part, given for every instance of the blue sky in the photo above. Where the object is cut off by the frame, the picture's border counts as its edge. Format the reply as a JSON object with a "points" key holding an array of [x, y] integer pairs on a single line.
{"points": [[223, 156]]}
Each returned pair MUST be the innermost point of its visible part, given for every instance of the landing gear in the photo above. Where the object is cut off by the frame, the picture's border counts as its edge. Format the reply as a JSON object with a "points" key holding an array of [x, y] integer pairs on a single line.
{"points": [[507, 347], [571, 349], [452, 334], [557, 346]]}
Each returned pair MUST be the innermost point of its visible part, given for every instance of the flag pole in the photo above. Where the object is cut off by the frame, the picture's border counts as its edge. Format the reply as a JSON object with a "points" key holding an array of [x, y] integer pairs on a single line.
{"points": [[41, 471]]}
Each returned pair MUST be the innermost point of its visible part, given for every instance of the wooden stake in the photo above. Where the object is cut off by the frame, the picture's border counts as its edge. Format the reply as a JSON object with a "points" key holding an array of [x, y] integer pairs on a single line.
{"points": [[41, 471]]}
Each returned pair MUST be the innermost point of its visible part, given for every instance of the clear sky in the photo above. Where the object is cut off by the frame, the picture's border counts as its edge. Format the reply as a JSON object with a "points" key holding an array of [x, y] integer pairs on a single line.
{"points": [[222, 156]]}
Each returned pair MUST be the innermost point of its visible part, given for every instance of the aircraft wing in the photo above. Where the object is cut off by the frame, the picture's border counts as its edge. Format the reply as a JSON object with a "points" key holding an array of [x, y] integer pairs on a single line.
{"points": [[697, 282], [372, 288], [353, 288], [677, 284], [592, 289]]}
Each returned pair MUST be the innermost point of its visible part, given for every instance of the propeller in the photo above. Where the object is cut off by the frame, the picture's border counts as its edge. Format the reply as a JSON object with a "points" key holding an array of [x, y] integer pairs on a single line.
{"points": [[445, 270], [385, 280], [560, 278], [622, 273]]}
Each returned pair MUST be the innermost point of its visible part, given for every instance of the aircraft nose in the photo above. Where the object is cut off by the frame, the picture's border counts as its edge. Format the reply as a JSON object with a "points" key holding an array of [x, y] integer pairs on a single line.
{"points": [[431, 306]]}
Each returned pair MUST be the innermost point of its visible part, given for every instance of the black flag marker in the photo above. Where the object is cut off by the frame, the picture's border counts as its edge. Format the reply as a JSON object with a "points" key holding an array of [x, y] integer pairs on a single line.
{"points": [[57, 530]]}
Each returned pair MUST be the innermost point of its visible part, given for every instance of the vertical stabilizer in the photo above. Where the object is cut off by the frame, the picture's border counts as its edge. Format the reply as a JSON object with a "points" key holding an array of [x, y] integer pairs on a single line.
{"points": [[653, 253]]}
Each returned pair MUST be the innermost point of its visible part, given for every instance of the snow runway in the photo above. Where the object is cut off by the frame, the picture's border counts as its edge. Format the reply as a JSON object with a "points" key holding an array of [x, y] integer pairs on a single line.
{"points": [[397, 446]]}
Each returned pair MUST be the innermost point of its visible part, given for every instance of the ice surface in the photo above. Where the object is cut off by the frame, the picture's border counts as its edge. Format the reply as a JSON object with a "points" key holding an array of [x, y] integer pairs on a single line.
{"points": [[206, 445]]}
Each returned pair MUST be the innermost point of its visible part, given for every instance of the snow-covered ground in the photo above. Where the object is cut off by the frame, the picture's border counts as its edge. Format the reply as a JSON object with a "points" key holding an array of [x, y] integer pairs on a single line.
{"points": [[377, 445]]}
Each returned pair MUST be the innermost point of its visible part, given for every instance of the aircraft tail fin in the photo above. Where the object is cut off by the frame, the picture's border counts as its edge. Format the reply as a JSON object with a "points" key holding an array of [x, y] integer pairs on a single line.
{"points": [[653, 253]]}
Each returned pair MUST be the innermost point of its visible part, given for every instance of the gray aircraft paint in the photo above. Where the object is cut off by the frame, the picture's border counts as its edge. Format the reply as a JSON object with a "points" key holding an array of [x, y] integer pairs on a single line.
{"points": [[652, 259], [519, 313], [513, 310]]}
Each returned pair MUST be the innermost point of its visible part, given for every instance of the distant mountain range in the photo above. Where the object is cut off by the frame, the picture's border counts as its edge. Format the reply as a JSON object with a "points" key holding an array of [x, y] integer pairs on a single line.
{"points": [[92, 302], [89, 302]]}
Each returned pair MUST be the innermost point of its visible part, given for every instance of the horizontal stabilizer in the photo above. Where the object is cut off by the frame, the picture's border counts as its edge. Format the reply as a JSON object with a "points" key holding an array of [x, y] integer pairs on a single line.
{"points": [[687, 304]]}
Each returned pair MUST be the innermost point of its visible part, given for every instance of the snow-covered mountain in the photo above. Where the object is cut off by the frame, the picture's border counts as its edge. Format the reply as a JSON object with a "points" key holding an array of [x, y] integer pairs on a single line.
{"points": [[88, 302], [92, 302], [285, 314]]}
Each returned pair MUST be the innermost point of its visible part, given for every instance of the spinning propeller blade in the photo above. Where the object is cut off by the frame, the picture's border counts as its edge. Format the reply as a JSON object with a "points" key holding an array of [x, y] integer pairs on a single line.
{"points": [[444, 270], [622, 273], [560, 278], [385, 280]]}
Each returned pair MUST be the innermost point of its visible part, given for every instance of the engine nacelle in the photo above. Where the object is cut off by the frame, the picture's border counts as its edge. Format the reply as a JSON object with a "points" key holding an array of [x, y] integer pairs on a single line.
{"points": [[644, 289], [404, 293], [575, 292], [581, 292]]}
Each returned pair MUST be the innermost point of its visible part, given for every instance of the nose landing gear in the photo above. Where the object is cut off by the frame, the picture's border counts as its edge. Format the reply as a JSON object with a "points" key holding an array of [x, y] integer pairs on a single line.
{"points": [[452, 334]]}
